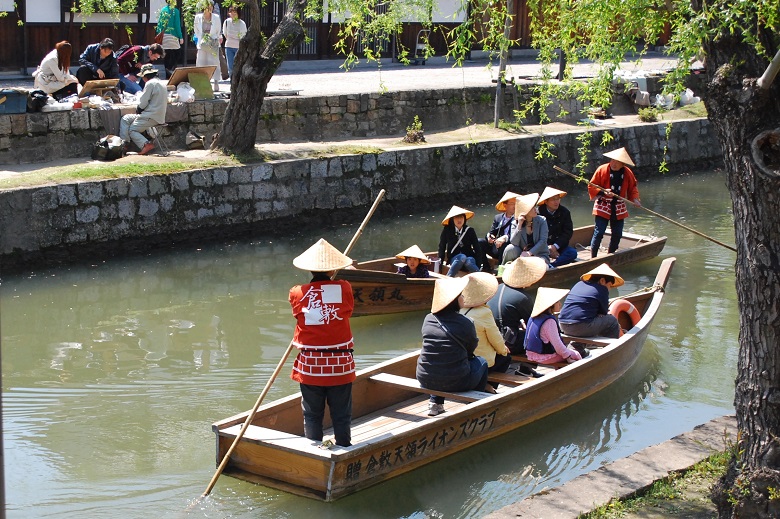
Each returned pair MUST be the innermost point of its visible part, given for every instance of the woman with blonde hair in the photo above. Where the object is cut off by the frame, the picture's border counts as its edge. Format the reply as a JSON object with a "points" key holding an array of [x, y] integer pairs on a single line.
{"points": [[53, 74]]}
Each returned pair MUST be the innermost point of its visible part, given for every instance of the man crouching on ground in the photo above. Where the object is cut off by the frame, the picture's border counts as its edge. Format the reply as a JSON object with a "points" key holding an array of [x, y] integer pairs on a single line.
{"points": [[151, 111]]}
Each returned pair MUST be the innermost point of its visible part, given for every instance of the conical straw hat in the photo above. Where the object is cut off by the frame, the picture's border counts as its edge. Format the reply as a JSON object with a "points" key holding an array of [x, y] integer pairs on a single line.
{"points": [[501, 205], [414, 252], [524, 271], [604, 270], [548, 193], [446, 290], [546, 297], [322, 257], [621, 155], [525, 203], [482, 286], [455, 211]]}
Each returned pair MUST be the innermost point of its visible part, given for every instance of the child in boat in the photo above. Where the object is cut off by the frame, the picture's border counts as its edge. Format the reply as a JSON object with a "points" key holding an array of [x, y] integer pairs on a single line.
{"points": [[458, 243], [447, 361], [324, 367], [543, 342], [416, 262], [482, 286]]}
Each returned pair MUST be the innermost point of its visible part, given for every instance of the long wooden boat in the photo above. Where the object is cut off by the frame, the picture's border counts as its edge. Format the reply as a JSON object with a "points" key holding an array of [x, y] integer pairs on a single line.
{"points": [[379, 290], [391, 432]]}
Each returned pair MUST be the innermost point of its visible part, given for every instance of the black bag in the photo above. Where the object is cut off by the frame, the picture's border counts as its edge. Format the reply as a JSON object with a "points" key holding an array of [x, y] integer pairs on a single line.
{"points": [[121, 50], [108, 148], [36, 100], [510, 336]]}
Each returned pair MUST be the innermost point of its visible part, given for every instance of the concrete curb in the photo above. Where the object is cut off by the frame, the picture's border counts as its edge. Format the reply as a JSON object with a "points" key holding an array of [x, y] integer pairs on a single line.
{"points": [[626, 476]]}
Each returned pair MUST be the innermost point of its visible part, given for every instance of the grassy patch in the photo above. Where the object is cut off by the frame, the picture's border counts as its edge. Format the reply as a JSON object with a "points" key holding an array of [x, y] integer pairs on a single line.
{"points": [[671, 495], [695, 110], [346, 150]]}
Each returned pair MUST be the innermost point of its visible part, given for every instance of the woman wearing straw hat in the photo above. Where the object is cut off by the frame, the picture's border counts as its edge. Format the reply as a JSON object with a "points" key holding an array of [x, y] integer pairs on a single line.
{"points": [[613, 177], [491, 347], [511, 306], [447, 361], [543, 342], [560, 227], [497, 238], [416, 262], [586, 311], [324, 366], [458, 243], [529, 232]]}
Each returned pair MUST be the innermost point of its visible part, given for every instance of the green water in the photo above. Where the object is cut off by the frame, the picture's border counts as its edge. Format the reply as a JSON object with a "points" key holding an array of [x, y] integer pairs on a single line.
{"points": [[113, 372]]}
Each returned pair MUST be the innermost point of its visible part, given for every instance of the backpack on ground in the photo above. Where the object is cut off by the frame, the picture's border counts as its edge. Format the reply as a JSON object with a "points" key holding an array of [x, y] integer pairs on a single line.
{"points": [[108, 148]]}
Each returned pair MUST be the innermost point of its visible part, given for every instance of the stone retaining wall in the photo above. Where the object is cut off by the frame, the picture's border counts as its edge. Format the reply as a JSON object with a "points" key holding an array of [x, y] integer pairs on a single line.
{"points": [[40, 137], [52, 223]]}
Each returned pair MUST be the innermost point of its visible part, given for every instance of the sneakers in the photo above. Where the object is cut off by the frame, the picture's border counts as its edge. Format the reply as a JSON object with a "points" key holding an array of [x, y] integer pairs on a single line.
{"points": [[435, 409], [148, 147]]}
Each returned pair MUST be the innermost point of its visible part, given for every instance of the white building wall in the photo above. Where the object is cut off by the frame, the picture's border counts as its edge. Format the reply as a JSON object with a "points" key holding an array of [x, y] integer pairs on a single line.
{"points": [[48, 11], [446, 11]]}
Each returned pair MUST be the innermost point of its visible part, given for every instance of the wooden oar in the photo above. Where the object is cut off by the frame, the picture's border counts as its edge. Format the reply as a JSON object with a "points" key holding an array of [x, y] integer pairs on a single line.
{"points": [[279, 367], [694, 231]]}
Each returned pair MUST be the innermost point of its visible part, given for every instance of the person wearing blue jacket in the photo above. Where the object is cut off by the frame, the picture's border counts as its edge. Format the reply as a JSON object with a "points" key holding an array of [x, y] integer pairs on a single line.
{"points": [[98, 62]]}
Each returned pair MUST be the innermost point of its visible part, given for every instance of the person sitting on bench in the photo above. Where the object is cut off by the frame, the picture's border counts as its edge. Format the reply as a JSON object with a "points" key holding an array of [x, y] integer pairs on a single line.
{"points": [[586, 311], [497, 238], [447, 361], [543, 342]]}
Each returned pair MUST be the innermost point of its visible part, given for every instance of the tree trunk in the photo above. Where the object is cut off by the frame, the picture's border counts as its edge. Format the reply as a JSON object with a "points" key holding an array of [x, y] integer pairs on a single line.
{"points": [[740, 110], [256, 62]]}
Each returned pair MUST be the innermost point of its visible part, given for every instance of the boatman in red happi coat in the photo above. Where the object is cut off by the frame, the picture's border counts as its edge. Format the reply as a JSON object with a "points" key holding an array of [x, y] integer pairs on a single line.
{"points": [[324, 366], [612, 178]]}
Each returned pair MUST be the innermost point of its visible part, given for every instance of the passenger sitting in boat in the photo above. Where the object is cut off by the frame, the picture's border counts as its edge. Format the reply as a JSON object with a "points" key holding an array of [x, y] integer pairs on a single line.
{"points": [[543, 342], [447, 361], [586, 311], [324, 366], [511, 306], [497, 238], [560, 227], [458, 243], [491, 347], [416, 262], [529, 232]]}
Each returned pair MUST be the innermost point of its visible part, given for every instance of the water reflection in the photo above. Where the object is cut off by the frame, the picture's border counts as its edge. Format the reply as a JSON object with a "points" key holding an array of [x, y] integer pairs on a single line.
{"points": [[113, 372]]}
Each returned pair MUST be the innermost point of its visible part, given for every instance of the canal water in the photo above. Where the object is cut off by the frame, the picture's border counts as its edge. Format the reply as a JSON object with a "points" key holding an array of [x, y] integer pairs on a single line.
{"points": [[114, 371]]}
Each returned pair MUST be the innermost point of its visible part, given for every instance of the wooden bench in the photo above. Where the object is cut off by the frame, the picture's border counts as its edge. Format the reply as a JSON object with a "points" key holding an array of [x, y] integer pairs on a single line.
{"points": [[596, 342], [508, 379], [413, 385], [523, 358]]}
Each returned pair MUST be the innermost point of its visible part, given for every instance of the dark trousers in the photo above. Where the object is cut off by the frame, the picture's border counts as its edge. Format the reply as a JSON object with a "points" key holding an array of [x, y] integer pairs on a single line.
{"points": [[339, 400], [171, 60], [615, 225], [84, 74]]}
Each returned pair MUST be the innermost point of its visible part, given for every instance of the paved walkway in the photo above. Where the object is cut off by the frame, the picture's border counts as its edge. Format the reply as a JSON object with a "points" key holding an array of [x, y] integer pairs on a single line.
{"points": [[625, 476], [325, 77]]}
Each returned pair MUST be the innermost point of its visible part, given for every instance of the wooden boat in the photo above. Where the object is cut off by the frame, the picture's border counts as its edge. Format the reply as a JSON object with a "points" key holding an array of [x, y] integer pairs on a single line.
{"points": [[379, 290], [391, 432]]}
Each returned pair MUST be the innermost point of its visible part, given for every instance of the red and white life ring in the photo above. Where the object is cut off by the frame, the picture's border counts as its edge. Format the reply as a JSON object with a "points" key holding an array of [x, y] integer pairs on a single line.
{"points": [[622, 307]]}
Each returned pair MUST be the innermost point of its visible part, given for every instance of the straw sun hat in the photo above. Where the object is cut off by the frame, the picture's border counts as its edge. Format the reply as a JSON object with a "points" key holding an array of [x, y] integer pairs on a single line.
{"points": [[446, 290], [524, 271], [620, 155], [482, 286], [414, 252], [546, 297], [604, 270], [548, 193], [322, 257], [455, 211], [509, 195], [525, 203]]}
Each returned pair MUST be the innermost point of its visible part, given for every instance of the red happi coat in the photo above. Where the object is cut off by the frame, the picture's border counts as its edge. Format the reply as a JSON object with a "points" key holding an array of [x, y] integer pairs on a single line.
{"points": [[603, 206], [322, 334]]}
